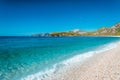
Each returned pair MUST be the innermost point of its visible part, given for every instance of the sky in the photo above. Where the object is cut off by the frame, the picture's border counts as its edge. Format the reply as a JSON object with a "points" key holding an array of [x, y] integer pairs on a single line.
{"points": [[26, 17]]}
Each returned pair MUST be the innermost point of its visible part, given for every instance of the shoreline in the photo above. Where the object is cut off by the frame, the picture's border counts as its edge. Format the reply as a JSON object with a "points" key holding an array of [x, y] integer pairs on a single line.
{"points": [[103, 66], [66, 68]]}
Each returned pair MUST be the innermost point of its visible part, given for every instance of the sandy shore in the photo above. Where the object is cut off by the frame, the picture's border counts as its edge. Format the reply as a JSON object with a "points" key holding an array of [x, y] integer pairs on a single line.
{"points": [[103, 66]]}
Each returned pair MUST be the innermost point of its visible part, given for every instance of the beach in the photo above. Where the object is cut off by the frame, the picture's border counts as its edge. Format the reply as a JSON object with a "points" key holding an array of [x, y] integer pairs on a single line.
{"points": [[65, 58], [103, 66]]}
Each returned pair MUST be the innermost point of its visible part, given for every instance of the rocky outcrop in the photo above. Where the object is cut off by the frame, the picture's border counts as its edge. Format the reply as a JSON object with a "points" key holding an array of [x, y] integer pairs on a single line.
{"points": [[114, 30], [78, 31], [41, 35]]}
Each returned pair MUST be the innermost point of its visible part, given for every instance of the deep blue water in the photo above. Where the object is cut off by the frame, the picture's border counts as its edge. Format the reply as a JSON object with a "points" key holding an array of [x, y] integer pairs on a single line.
{"points": [[22, 56]]}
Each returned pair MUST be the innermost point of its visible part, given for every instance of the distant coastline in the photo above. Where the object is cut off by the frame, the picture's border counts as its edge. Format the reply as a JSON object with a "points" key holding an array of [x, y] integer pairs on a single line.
{"points": [[104, 31]]}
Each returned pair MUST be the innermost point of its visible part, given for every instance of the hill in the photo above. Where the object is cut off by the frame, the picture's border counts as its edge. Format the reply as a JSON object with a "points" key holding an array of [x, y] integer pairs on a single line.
{"points": [[104, 31]]}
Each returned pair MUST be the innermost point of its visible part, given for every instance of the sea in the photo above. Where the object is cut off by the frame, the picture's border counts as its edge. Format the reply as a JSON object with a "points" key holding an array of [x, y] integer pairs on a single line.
{"points": [[36, 58]]}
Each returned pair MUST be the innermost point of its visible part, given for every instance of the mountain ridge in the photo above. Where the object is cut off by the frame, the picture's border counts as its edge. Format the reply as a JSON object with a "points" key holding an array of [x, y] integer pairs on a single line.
{"points": [[103, 31]]}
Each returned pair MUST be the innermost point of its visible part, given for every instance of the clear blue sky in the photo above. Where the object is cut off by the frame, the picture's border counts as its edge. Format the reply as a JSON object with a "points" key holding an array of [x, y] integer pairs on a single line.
{"points": [[25, 17]]}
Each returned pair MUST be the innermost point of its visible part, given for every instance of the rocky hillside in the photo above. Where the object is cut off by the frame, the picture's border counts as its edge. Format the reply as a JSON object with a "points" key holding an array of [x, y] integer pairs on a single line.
{"points": [[104, 31], [114, 30]]}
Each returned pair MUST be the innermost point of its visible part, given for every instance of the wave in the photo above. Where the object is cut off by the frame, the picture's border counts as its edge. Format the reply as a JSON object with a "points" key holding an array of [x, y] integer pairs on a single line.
{"points": [[49, 73]]}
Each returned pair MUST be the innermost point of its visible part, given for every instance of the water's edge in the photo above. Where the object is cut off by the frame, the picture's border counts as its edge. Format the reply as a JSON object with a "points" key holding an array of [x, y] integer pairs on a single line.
{"points": [[49, 73]]}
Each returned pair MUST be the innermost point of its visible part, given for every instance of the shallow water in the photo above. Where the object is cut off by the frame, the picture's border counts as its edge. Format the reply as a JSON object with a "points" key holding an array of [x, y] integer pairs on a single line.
{"points": [[24, 56]]}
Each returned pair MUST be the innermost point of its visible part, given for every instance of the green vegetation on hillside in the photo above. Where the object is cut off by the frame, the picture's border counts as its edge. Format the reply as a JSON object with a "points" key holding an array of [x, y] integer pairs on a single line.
{"points": [[104, 31]]}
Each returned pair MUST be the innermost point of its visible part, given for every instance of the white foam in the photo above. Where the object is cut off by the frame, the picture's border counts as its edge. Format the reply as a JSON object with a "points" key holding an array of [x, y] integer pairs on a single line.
{"points": [[84, 56], [40, 75], [78, 58]]}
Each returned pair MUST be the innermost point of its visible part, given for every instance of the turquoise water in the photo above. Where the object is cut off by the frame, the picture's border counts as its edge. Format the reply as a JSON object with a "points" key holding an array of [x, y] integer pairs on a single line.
{"points": [[23, 56]]}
